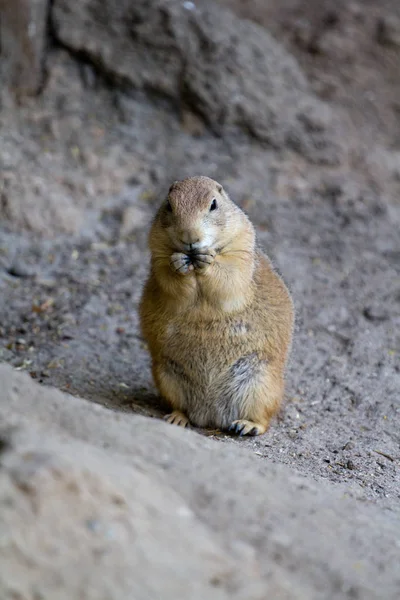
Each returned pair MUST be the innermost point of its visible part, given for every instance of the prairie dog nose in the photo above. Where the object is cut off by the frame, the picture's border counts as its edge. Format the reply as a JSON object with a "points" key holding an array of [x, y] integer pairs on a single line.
{"points": [[190, 247], [189, 240]]}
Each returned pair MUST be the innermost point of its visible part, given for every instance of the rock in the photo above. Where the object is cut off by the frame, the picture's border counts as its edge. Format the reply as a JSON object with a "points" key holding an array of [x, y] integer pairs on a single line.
{"points": [[103, 534], [23, 27], [18, 269], [230, 72], [376, 312], [118, 508]]}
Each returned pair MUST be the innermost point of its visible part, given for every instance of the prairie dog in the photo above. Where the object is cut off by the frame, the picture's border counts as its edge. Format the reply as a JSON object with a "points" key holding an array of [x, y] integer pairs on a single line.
{"points": [[217, 318]]}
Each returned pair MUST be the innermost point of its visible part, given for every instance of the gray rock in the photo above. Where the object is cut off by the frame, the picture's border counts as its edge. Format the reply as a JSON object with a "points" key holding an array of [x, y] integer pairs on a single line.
{"points": [[228, 71]]}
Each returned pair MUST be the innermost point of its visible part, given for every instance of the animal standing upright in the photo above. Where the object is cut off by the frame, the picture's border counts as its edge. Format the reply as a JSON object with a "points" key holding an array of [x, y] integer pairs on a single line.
{"points": [[217, 318]]}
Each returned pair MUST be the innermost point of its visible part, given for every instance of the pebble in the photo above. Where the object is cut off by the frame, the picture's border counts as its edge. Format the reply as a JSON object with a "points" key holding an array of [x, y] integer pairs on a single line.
{"points": [[375, 313], [19, 270], [348, 446], [388, 31], [189, 5]]}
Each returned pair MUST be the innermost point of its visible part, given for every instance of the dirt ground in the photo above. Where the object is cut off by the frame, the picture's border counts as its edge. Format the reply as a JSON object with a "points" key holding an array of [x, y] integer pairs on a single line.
{"points": [[85, 164]]}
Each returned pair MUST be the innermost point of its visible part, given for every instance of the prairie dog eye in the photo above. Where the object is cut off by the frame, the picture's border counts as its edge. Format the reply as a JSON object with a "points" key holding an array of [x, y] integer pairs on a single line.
{"points": [[213, 205], [168, 206]]}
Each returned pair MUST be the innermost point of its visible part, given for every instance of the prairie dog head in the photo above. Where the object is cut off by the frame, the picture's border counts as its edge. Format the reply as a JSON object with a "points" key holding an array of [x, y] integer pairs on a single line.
{"points": [[198, 214]]}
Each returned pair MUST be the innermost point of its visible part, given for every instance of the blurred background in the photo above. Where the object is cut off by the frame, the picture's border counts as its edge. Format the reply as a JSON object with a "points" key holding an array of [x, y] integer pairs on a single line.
{"points": [[294, 106]]}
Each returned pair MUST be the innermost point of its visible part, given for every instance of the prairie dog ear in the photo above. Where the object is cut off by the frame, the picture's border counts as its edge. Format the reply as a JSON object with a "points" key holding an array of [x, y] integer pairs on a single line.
{"points": [[171, 187], [220, 188]]}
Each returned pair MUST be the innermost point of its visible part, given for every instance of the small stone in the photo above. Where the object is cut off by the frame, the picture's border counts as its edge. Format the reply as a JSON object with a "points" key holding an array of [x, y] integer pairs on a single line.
{"points": [[19, 270], [350, 465], [348, 445], [375, 313], [189, 5], [388, 31]]}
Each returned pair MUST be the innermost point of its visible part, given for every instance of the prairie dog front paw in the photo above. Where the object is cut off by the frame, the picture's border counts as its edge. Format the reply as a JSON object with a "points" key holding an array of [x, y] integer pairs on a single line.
{"points": [[181, 263], [203, 259]]}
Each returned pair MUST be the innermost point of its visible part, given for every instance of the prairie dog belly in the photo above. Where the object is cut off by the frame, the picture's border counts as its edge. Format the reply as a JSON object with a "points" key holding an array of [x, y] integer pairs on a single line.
{"points": [[210, 375], [207, 347]]}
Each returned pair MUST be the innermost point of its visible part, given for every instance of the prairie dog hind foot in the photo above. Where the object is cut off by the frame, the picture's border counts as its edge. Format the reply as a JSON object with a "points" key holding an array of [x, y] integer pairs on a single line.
{"points": [[245, 427], [177, 418]]}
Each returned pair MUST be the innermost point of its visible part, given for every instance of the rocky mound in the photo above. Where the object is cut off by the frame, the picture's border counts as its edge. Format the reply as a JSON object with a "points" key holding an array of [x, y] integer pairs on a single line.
{"points": [[99, 506], [230, 72]]}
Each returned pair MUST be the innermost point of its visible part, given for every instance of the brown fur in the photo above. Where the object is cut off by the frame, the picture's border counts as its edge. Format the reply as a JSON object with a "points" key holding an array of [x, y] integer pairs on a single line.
{"points": [[217, 318]]}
